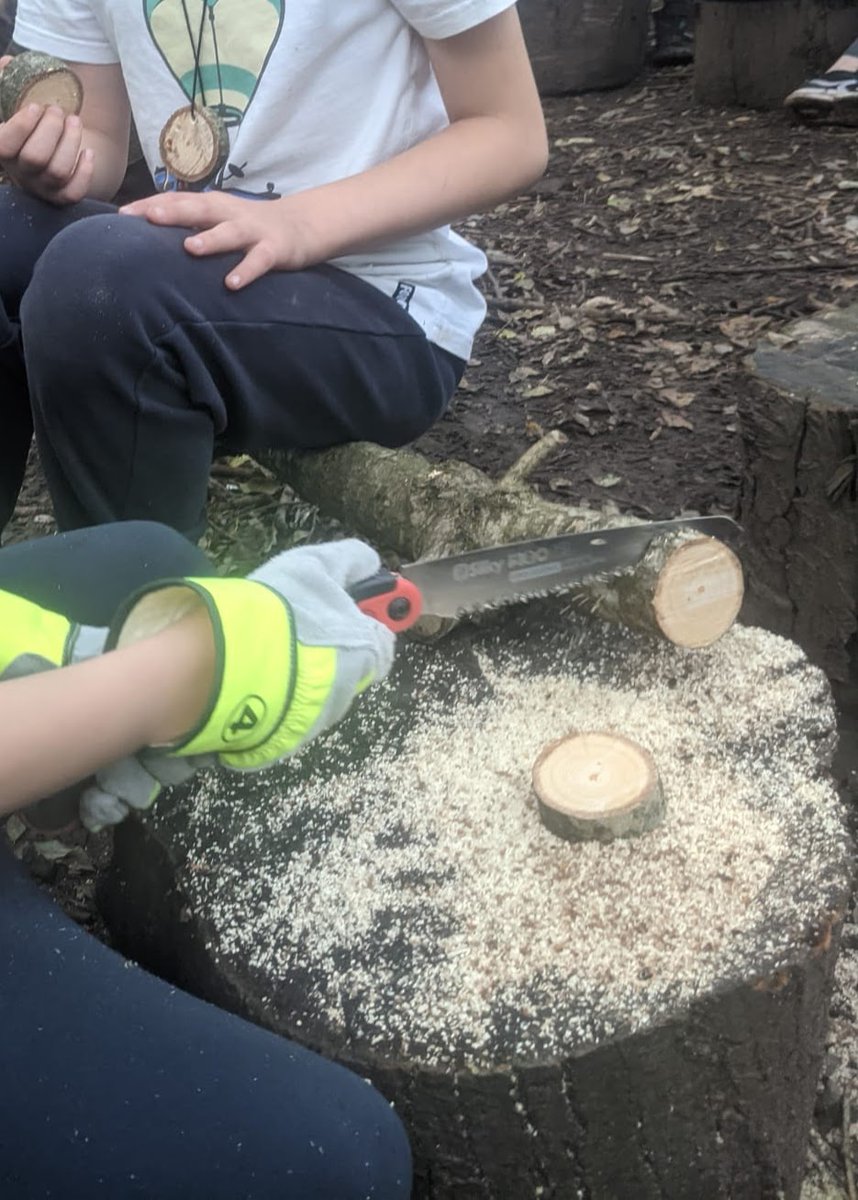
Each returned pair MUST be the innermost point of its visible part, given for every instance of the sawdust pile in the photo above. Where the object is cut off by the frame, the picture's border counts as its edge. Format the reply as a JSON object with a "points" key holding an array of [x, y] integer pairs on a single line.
{"points": [[422, 906]]}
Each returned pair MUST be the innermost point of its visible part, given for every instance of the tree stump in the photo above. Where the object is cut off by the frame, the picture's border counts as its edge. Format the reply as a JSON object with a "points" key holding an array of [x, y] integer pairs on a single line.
{"points": [[799, 505], [755, 52], [585, 45], [642, 1018]]}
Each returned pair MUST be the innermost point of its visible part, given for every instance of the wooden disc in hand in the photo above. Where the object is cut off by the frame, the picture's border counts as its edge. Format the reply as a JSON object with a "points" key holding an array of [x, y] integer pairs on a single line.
{"points": [[597, 787], [194, 144], [33, 78]]}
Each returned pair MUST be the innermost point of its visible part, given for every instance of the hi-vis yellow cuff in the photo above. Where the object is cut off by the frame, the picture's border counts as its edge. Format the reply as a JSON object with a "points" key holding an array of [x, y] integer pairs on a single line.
{"points": [[254, 667], [26, 628], [269, 690]]}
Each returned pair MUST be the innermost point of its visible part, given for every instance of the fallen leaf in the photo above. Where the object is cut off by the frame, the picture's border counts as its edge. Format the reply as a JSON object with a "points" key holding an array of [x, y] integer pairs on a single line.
{"points": [[674, 420], [700, 365], [606, 481], [535, 393], [677, 399], [15, 828], [599, 308], [53, 851], [558, 484], [744, 329], [522, 373]]}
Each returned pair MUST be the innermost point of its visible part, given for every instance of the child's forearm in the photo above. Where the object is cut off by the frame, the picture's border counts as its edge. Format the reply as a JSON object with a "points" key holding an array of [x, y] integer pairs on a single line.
{"points": [[468, 167], [110, 164], [60, 726]]}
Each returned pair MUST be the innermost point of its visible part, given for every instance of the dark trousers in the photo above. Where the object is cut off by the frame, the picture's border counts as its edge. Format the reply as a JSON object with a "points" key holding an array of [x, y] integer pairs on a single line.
{"points": [[116, 1084], [136, 365]]}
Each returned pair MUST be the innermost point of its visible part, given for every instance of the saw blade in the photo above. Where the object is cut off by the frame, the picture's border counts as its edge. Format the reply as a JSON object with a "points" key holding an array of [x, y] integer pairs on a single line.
{"points": [[496, 575]]}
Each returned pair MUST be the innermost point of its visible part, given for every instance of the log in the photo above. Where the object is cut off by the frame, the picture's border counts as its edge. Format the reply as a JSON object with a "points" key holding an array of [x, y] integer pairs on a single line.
{"points": [[687, 588], [597, 786], [194, 144], [755, 52], [641, 1018], [33, 78], [799, 505]]}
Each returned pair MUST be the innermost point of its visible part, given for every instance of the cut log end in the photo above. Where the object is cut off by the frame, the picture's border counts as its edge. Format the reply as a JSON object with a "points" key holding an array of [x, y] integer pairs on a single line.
{"points": [[699, 592], [194, 144], [597, 787], [33, 78]]}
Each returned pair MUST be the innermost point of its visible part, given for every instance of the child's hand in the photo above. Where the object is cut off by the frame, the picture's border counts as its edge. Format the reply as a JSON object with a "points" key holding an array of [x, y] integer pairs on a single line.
{"points": [[41, 149], [270, 232]]}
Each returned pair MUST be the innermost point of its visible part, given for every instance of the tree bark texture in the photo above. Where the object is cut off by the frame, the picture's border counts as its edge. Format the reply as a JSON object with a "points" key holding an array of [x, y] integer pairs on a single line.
{"points": [[799, 506], [710, 1096], [755, 52]]}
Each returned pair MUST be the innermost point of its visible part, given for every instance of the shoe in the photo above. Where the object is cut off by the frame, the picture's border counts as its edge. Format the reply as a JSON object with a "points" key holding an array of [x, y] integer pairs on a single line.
{"points": [[832, 97]]}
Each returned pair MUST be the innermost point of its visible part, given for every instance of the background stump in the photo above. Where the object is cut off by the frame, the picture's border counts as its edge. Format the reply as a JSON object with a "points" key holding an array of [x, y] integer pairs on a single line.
{"points": [[800, 497], [643, 1018], [585, 45], [755, 52]]}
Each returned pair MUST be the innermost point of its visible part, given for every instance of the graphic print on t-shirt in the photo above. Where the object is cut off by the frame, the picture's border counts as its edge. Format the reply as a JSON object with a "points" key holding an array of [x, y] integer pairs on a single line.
{"points": [[217, 51]]}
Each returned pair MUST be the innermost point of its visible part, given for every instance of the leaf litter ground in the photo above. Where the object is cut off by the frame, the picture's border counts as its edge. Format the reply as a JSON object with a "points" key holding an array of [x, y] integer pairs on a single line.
{"points": [[624, 291]]}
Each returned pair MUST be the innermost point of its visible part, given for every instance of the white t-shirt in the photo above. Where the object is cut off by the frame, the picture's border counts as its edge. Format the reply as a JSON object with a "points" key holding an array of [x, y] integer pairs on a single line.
{"points": [[313, 91]]}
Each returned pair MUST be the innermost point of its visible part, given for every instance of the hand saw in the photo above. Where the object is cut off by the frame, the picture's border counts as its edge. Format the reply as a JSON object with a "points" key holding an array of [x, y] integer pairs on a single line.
{"points": [[462, 583]]}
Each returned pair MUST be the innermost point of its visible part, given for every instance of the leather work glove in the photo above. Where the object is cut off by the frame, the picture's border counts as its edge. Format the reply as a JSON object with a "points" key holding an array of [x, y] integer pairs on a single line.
{"points": [[34, 639], [294, 651]]}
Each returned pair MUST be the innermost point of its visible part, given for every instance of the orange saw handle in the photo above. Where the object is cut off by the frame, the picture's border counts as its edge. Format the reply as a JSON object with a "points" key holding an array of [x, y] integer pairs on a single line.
{"points": [[391, 599]]}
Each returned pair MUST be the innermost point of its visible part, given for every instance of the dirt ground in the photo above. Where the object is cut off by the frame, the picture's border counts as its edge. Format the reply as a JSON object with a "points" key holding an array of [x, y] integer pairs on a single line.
{"points": [[625, 290]]}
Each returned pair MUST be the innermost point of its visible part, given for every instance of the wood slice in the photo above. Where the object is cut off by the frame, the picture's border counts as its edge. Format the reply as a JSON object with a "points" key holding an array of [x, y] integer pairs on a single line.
{"points": [[686, 588], [699, 592], [597, 786], [194, 144], [33, 78], [642, 1018]]}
